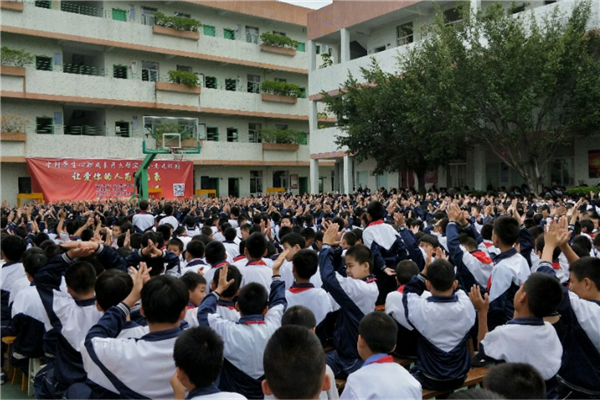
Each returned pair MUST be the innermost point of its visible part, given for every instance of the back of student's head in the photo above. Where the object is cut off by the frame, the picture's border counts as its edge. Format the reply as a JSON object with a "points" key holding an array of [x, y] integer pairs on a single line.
{"points": [[168, 209], [147, 237], [305, 262], [540, 242], [180, 230], [308, 234], [232, 273], [468, 242], [376, 210], [294, 363], [206, 230], [192, 280], [299, 315], [487, 230], [40, 238], [112, 287], [199, 353], [309, 220], [358, 234], [507, 230], [195, 248], [515, 381], [584, 242], [144, 205], [163, 299], [256, 245], [33, 260], [587, 267], [379, 331], [440, 274], [405, 271], [319, 236], [252, 299], [13, 247], [284, 231], [81, 277], [230, 234], [349, 238], [361, 254], [136, 240], [214, 252], [544, 294], [588, 224], [164, 231], [476, 394], [293, 239]]}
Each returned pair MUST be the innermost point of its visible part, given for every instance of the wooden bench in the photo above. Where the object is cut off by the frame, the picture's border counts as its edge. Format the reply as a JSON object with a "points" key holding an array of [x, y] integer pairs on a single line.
{"points": [[474, 378], [340, 384], [8, 368], [405, 362]]}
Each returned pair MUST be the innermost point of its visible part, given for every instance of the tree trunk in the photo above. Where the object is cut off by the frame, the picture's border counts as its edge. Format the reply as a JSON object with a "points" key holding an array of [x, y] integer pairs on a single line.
{"points": [[421, 179]]}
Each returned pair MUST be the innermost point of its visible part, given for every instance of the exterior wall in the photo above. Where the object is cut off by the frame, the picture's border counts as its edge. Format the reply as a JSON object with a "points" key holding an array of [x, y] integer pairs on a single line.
{"points": [[581, 156], [10, 174]]}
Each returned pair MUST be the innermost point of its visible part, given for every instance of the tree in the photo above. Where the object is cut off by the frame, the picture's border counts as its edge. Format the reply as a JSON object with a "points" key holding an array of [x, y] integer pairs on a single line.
{"points": [[529, 84]]}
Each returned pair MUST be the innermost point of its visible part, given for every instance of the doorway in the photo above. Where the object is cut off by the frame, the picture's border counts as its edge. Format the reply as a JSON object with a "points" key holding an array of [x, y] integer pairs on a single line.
{"points": [[303, 185], [234, 187]]}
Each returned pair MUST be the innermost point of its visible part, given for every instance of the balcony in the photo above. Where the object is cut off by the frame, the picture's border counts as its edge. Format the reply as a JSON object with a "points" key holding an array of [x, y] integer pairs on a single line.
{"points": [[13, 5]]}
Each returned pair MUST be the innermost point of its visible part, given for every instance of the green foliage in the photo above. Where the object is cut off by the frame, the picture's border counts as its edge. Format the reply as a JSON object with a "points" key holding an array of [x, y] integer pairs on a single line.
{"points": [[273, 39], [161, 129], [187, 78], [179, 23], [280, 88], [579, 191], [273, 135], [327, 60], [15, 58], [13, 123]]}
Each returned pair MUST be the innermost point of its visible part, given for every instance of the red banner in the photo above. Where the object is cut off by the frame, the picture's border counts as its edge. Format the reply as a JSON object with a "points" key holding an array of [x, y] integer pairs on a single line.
{"points": [[90, 179]]}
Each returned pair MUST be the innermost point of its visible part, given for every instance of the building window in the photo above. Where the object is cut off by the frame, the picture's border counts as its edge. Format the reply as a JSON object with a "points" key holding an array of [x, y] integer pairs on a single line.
{"points": [[149, 71], [303, 138], [405, 34], [280, 179], [379, 49], [452, 16], [279, 33], [122, 129], [120, 71], [254, 133], [183, 15], [253, 84], [280, 80], [301, 46], [184, 68], [318, 49], [232, 135], [43, 63], [231, 84], [252, 35], [229, 33], [148, 15], [119, 15], [518, 8], [209, 30], [302, 93], [43, 4], [212, 134], [256, 181], [44, 125], [210, 82]]}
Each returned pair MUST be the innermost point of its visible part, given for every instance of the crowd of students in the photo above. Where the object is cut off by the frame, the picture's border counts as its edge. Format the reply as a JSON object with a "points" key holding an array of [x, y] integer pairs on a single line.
{"points": [[276, 296]]}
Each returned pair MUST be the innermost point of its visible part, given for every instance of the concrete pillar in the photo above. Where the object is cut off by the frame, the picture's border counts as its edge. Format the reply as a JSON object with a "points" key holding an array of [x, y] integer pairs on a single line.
{"points": [[475, 6], [314, 176], [312, 55], [479, 177], [344, 45], [347, 175], [313, 120]]}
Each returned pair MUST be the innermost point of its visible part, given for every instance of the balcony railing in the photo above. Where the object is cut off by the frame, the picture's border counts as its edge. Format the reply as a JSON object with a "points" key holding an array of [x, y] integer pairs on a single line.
{"points": [[83, 70], [87, 130], [80, 9]]}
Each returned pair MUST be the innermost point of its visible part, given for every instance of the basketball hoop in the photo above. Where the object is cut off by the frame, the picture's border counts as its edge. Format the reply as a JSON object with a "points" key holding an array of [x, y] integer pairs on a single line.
{"points": [[176, 153]]}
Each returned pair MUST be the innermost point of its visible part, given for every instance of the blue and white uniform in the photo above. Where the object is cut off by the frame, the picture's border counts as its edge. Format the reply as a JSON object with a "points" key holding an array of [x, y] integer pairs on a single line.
{"points": [[316, 300], [257, 271]]}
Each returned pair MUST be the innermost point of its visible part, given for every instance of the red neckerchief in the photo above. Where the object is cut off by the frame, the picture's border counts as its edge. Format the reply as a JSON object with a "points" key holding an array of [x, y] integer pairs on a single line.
{"points": [[301, 287], [253, 322], [238, 258], [222, 263], [383, 360], [401, 289], [378, 222], [488, 244], [370, 279], [256, 262], [489, 285], [555, 265], [482, 257]]}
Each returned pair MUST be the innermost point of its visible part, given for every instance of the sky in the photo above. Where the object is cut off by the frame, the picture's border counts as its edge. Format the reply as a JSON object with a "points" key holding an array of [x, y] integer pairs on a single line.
{"points": [[308, 3]]}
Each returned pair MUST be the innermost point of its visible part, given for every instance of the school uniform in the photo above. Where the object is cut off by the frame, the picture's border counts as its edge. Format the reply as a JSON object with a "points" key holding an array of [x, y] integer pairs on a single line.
{"points": [[194, 265], [225, 309], [212, 392], [489, 248], [232, 248], [171, 261], [381, 378], [331, 394], [257, 271], [472, 267], [124, 361], [10, 273], [143, 221], [245, 341], [354, 298], [443, 323], [169, 220], [316, 300], [209, 273]]}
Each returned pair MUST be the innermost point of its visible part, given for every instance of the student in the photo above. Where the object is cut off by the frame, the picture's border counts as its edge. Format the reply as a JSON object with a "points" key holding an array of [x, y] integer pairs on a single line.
{"points": [[164, 299], [379, 377], [294, 365], [255, 268], [13, 248], [144, 220], [354, 296], [216, 257], [515, 381], [406, 342], [182, 234], [231, 243], [303, 292], [526, 338], [194, 255], [196, 285], [169, 218], [509, 272], [292, 243], [245, 341], [443, 322], [159, 260], [198, 356], [176, 247]]}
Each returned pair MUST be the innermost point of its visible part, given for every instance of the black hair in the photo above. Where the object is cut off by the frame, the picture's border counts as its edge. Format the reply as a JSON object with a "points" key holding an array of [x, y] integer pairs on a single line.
{"points": [[299, 315], [168, 209], [535, 231], [376, 210], [195, 248], [379, 331], [286, 216], [245, 227], [319, 236], [147, 236], [587, 267], [540, 242], [515, 381], [507, 230], [487, 230], [206, 230], [87, 235], [284, 231], [359, 234], [443, 223], [192, 280], [340, 221], [51, 249], [440, 274], [294, 239], [309, 219], [468, 241], [230, 234], [180, 230], [294, 363], [13, 247], [176, 242], [135, 240], [163, 299], [587, 224], [308, 233], [144, 205], [126, 226], [476, 394], [232, 273], [235, 211], [361, 254], [214, 252], [256, 244], [81, 277], [39, 238], [544, 294], [405, 270], [255, 229], [112, 287], [123, 252], [164, 232], [350, 238], [432, 240], [199, 353], [252, 299], [306, 263], [190, 221], [33, 260], [584, 242]]}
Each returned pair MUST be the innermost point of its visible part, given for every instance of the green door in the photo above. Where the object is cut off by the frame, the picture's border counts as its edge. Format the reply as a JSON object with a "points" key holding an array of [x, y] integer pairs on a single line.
{"points": [[301, 46], [303, 185], [209, 30], [119, 15]]}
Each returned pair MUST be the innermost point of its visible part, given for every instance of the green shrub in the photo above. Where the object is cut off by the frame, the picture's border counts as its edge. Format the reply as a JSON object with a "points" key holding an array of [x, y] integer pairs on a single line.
{"points": [[179, 23], [275, 40], [280, 88], [16, 58], [327, 60], [582, 190], [187, 78], [274, 135]]}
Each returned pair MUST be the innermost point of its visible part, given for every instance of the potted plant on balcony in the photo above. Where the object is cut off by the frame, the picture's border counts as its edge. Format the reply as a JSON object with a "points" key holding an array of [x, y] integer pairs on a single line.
{"points": [[274, 43], [280, 139], [182, 27], [180, 81], [280, 92], [13, 128], [14, 61]]}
